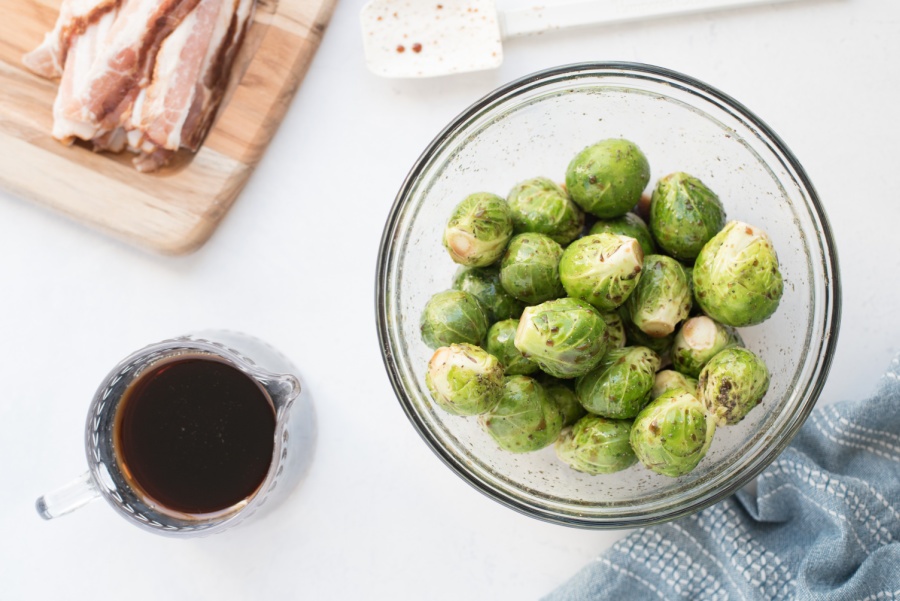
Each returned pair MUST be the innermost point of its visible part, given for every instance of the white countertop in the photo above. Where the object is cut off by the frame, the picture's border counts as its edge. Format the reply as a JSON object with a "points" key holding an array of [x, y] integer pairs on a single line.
{"points": [[379, 516]]}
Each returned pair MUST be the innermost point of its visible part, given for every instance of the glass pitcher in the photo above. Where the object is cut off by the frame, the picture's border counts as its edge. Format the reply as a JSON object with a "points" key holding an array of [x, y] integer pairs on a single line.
{"points": [[294, 437]]}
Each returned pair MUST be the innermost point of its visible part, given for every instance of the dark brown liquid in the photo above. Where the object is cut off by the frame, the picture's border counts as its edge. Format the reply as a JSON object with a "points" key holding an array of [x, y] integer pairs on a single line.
{"points": [[195, 434]]}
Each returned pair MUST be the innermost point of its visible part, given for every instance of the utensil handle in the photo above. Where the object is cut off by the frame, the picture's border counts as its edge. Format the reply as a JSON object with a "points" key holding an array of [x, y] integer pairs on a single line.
{"points": [[526, 21], [75, 494]]}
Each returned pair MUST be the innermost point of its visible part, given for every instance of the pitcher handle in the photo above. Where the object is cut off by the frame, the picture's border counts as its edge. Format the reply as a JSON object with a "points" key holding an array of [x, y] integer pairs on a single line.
{"points": [[68, 498]]}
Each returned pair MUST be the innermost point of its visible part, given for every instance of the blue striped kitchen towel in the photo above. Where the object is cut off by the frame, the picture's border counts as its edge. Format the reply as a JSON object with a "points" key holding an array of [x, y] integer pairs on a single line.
{"points": [[823, 524]]}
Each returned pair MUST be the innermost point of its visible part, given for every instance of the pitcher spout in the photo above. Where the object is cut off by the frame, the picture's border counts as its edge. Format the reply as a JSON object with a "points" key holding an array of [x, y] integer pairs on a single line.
{"points": [[282, 388]]}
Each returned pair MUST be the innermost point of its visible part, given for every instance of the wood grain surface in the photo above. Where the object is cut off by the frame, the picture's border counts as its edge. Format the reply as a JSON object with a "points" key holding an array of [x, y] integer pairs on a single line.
{"points": [[175, 210]]}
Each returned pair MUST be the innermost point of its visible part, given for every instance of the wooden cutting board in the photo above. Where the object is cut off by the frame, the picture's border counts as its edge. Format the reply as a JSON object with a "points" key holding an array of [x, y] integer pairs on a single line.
{"points": [[175, 210]]}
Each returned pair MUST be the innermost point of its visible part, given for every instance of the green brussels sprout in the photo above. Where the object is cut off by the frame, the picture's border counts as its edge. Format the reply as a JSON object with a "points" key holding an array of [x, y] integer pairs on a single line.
{"points": [[597, 445], [615, 330], [607, 179], [484, 284], [453, 316], [464, 379], [563, 395], [695, 306], [529, 270], [565, 337], [630, 225], [635, 337], [669, 379], [526, 419], [620, 385], [684, 215], [732, 383], [541, 206], [602, 269], [478, 230], [672, 434], [500, 343], [662, 297], [736, 276], [698, 340]]}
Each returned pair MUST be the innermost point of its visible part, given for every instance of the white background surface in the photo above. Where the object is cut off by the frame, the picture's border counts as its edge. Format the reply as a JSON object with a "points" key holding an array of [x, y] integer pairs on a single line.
{"points": [[379, 516]]}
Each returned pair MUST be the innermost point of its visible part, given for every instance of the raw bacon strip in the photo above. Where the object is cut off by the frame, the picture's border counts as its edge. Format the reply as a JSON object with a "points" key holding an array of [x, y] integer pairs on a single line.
{"points": [[125, 62], [178, 66], [214, 81], [80, 58], [75, 18]]}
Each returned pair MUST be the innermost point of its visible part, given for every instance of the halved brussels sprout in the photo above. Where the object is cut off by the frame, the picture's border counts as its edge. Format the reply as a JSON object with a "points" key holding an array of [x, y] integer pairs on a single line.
{"points": [[479, 229], [662, 297], [698, 340], [732, 383], [669, 379], [631, 225], [736, 276], [607, 179], [672, 434], [500, 343], [529, 270], [526, 419], [541, 206], [464, 379], [684, 215], [602, 269], [565, 337], [620, 385], [453, 316], [484, 284], [596, 445], [561, 392]]}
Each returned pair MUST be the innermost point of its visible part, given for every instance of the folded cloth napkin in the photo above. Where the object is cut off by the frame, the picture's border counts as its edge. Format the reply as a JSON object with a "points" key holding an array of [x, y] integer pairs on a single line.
{"points": [[824, 523]]}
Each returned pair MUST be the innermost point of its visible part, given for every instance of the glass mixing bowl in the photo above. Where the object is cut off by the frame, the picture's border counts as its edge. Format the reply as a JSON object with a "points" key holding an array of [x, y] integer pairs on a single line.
{"points": [[533, 127]]}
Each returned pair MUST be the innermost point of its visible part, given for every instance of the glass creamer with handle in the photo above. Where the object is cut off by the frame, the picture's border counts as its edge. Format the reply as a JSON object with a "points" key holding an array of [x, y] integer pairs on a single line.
{"points": [[250, 365]]}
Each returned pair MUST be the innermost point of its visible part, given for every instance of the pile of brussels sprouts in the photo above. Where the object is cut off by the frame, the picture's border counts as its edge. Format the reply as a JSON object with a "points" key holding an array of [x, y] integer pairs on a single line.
{"points": [[553, 336]]}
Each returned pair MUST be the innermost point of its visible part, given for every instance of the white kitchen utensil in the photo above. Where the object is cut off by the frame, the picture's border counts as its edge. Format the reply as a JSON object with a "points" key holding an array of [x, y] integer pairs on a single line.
{"points": [[427, 38]]}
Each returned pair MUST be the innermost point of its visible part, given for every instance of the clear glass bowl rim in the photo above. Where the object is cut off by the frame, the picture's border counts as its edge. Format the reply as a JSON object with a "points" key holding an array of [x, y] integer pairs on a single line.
{"points": [[832, 289]]}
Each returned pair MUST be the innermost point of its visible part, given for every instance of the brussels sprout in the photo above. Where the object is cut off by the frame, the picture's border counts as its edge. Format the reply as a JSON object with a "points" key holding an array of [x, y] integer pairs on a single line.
{"points": [[668, 379], [500, 343], [601, 269], [684, 215], [540, 205], [596, 445], [662, 297], [607, 179], [479, 230], [736, 277], [620, 385], [629, 225], [484, 284], [529, 270], [560, 392], [453, 316], [698, 340], [615, 330], [672, 434], [565, 337], [695, 306], [732, 383], [635, 337], [464, 379], [525, 419]]}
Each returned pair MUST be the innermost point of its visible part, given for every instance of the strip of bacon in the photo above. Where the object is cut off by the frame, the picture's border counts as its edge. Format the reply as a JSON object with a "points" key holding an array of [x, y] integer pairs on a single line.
{"points": [[75, 18], [80, 58], [178, 67], [217, 67]]}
